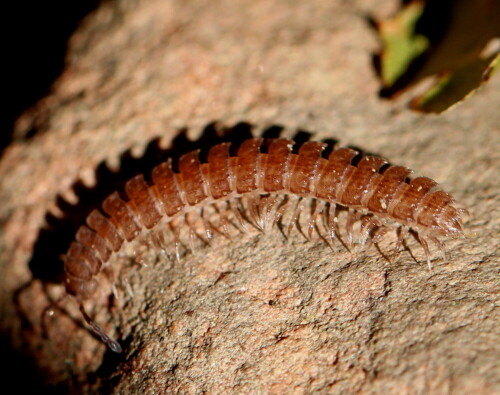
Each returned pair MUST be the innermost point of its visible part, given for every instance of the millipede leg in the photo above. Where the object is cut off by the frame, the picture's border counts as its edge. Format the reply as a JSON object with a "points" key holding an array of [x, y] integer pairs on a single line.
{"points": [[368, 224], [377, 237], [192, 237], [237, 214], [207, 225], [280, 210], [402, 233], [328, 222], [138, 256], [128, 287], [253, 210], [262, 209], [224, 226], [331, 222], [110, 276], [268, 209], [224, 222], [351, 218], [440, 247], [425, 246], [295, 217], [333, 226], [114, 289], [311, 225], [177, 241], [158, 241]]}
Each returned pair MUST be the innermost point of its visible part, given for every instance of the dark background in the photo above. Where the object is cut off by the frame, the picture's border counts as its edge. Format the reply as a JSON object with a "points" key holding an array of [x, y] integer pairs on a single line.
{"points": [[35, 35]]}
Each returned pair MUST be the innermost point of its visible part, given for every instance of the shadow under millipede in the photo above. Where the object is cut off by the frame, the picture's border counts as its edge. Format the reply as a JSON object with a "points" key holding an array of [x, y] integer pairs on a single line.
{"points": [[54, 239]]}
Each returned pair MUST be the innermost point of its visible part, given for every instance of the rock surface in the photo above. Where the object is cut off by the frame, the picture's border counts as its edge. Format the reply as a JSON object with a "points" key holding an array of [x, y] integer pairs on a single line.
{"points": [[253, 314]]}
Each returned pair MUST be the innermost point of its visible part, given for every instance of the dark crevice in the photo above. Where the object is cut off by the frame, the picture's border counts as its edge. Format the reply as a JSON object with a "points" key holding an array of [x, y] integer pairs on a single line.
{"points": [[35, 35]]}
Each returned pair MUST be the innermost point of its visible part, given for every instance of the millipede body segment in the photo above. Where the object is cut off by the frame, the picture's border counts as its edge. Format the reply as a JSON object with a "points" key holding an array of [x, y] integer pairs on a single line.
{"points": [[264, 180]]}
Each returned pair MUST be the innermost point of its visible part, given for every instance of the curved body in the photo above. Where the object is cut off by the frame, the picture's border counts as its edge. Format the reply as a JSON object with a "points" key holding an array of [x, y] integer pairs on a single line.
{"points": [[368, 186]]}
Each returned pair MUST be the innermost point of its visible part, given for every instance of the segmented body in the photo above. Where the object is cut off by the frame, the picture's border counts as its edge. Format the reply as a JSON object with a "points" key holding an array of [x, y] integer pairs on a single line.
{"points": [[368, 186]]}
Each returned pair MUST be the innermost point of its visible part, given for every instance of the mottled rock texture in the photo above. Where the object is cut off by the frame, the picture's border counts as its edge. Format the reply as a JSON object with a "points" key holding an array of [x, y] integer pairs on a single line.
{"points": [[254, 314]]}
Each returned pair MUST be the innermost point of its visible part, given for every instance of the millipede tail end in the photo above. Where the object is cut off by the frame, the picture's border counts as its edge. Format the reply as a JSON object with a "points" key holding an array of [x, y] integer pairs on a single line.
{"points": [[112, 344]]}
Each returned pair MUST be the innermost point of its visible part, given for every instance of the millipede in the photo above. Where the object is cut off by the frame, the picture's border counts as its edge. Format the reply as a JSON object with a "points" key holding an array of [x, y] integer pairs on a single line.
{"points": [[265, 182]]}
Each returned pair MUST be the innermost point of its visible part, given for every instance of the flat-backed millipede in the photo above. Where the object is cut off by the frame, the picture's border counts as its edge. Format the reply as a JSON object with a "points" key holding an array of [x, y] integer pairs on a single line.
{"points": [[262, 182]]}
